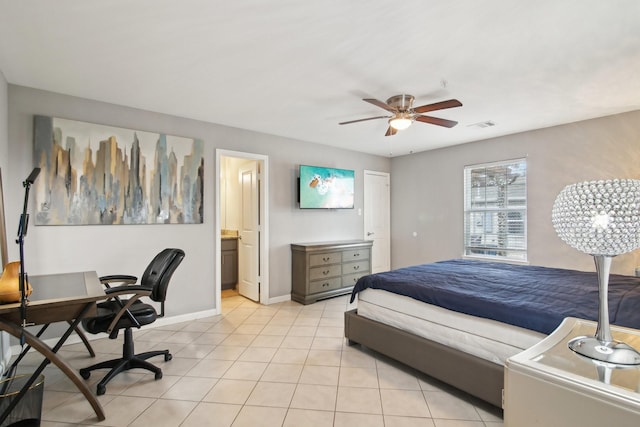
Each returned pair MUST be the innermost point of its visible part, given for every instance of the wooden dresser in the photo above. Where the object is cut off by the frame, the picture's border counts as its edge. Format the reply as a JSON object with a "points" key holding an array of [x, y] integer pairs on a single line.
{"points": [[326, 269]]}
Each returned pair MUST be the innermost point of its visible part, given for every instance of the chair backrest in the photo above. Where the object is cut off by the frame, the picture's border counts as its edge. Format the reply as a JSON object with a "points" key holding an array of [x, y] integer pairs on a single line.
{"points": [[159, 272]]}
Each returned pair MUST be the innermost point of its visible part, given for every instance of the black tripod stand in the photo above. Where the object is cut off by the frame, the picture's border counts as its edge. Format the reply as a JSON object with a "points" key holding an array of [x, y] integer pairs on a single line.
{"points": [[22, 232]]}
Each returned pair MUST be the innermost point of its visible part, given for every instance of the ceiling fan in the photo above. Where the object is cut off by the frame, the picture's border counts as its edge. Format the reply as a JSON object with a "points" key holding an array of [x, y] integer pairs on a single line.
{"points": [[404, 113]]}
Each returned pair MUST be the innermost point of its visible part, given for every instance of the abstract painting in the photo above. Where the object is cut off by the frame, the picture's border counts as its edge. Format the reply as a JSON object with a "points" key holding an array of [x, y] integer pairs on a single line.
{"points": [[93, 174]]}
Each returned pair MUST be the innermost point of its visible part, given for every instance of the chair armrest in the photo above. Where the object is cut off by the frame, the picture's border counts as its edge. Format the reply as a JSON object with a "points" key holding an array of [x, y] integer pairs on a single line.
{"points": [[114, 293], [136, 290], [118, 278]]}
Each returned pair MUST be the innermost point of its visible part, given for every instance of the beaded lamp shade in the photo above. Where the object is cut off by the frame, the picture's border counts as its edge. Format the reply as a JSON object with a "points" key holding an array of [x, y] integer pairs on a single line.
{"points": [[599, 217]]}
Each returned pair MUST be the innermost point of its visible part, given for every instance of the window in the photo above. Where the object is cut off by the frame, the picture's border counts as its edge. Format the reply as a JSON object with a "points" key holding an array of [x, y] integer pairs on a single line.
{"points": [[495, 210]]}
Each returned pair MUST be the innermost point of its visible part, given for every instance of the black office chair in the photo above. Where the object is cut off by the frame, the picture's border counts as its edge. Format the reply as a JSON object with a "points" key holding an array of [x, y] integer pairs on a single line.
{"points": [[118, 313]]}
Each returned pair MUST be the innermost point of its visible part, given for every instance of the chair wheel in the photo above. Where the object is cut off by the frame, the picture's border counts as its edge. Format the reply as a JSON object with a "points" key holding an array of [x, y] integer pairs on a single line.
{"points": [[158, 376], [101, 389], [85, 374], [168, 357]]}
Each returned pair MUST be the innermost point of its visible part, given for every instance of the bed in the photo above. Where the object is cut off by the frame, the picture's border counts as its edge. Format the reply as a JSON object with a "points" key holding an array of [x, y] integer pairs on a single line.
{"points": [[459, 320]]}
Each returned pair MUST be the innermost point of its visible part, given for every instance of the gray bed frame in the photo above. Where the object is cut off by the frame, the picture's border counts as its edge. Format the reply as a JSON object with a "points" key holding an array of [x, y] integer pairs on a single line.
{"points": [[476, 376]]}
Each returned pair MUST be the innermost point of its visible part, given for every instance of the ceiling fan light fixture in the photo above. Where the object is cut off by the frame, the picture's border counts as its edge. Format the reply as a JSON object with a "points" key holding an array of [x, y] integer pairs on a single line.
{"points": [[400, 121], [403, 113]]}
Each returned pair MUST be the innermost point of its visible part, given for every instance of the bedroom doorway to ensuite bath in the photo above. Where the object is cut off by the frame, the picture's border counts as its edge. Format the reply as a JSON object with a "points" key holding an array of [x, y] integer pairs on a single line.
{"points": [[241, 226]]}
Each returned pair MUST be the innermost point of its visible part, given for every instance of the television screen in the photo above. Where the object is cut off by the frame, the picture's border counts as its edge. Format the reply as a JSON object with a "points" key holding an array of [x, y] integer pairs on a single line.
{"points": [[326, 188]]}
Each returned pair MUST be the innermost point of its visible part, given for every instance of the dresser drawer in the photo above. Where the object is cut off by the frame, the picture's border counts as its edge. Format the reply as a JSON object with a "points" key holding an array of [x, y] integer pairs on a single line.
{"points": [[351, 279], [355, 255], [325, 285], [324, 259], [324, 270], [317, 273], [361, 267]]}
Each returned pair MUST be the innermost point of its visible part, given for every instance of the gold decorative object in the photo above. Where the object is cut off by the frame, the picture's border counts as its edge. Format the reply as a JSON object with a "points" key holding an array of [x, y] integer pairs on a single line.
{"points": [[10, 283]]}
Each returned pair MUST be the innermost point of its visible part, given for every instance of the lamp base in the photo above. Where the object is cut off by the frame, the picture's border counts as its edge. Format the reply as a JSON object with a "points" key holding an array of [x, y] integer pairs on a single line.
{"points": [[614, 352]]}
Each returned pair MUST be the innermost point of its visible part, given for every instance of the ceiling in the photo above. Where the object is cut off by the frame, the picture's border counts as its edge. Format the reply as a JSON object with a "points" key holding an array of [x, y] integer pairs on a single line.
{"points": [[295, 68]]}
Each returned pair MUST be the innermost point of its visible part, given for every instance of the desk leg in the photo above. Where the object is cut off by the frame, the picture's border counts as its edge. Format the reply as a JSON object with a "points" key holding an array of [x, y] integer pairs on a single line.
{"points": [[83, 337], [50, 355], [23, 353]]}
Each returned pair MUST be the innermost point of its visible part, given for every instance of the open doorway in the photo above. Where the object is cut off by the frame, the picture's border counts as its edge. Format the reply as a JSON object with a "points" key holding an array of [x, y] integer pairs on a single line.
{"points": [[242, 225]]}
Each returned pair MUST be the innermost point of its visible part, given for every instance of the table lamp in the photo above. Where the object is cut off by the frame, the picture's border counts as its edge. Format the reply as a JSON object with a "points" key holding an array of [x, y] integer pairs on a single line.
{"points": [[602, 219]]}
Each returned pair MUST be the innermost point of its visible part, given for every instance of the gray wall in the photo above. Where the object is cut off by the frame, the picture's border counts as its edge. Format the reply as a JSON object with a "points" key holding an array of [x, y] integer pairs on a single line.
{"points": [[4, 140], [426, 194], [427, 188], [127, 249], [4, 126]]}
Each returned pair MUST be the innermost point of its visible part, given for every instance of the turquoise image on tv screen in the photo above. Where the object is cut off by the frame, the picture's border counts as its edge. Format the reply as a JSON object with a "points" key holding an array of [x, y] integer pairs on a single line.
{"points": [[326, 188]]}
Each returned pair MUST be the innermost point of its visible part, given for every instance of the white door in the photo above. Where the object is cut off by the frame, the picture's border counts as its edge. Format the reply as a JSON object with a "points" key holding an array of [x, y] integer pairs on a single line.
{"points": [[249, 235], [377, 218]]}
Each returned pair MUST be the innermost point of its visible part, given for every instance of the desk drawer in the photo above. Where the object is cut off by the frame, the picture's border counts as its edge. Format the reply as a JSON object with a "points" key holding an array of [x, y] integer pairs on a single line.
{"points": [[355, 255], [318, 273], [324, 259], [324, 285]]}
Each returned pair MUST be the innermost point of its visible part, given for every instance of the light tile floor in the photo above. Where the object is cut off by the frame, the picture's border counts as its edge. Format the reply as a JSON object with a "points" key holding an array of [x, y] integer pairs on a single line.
{"points": [[282, 365]]}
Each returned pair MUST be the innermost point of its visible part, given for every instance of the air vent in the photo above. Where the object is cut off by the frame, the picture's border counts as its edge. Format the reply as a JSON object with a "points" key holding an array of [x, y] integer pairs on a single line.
{"points": [[485, 124]]}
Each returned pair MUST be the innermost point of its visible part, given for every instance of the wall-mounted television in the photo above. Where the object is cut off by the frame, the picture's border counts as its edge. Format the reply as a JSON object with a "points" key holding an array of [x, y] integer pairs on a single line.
{"points": [[326, 188]]}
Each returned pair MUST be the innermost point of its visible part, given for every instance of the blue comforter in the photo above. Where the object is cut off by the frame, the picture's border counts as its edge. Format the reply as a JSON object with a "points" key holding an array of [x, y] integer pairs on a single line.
{"points": [[535, 298]]}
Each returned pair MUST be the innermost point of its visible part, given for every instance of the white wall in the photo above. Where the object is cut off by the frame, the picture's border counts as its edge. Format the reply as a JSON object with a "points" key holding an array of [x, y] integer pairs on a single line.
{"points": [[427, 188], [127, 249], [231, 203]]}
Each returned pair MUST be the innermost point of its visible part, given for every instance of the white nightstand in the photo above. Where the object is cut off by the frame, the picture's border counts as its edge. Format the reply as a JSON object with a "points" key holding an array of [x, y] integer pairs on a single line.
{"points": [[549, 385]]}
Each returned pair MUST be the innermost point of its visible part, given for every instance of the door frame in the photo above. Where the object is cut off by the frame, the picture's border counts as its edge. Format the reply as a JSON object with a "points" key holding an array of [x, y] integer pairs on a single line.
{"points": [[263, 191]]}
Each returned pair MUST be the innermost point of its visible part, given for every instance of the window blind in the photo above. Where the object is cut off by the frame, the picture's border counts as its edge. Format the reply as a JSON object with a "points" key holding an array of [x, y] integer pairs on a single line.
{"points": [[495, 210]]}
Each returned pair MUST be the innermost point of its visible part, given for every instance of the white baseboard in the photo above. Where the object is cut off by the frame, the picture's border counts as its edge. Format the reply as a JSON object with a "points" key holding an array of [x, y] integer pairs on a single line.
{"points": [[283, 298]]}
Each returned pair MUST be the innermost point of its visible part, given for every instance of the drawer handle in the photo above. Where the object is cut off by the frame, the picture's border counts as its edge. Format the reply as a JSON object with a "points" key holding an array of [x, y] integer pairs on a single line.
{"points": [[356, 267], [326, 259], [325, 284], [326, 272], [355, 279], [356, 254]]}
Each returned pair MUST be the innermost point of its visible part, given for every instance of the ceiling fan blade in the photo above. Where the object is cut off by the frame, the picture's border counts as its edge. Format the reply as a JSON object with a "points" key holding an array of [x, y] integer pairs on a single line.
{"points": [[364, 120], [380, 104], [390, 131], [438, 106], [436, 121]]}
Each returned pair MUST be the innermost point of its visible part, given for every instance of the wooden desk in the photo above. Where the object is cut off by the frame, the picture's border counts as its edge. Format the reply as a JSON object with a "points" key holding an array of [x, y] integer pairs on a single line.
{"points": [[66, 297]]}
